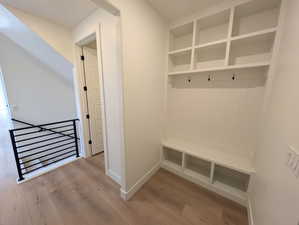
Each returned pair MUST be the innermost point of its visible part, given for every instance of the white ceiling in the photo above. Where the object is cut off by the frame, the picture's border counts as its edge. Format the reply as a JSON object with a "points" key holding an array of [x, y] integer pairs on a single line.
{"points": [[64, 12], [176, 9]]}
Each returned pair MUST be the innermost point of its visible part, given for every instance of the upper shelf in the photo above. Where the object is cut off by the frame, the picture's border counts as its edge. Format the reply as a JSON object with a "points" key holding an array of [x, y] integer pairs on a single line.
{"points": [[229, 160], [223, 68]]}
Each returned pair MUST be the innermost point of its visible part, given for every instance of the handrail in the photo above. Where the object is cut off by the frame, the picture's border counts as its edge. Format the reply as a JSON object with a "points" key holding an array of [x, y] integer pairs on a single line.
{"points": [[36, 151], [42, 126]]}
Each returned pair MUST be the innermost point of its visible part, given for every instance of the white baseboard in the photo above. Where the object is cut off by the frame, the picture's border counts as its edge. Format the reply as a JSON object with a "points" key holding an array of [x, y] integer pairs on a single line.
{"points": [[136, 187], [250, 213], [114, 176]]}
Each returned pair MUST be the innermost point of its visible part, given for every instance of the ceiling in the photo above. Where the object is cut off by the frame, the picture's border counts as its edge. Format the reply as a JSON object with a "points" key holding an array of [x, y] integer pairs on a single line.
{"points": [[64, 12], [176, 9]]}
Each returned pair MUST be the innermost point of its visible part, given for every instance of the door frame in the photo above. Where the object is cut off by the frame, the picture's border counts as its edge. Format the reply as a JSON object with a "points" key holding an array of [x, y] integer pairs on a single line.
{"points": [[79, 82]]}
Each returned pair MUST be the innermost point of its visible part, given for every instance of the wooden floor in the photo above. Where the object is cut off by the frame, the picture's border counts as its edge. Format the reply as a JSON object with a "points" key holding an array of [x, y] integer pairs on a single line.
{"points": [[81, 194]]}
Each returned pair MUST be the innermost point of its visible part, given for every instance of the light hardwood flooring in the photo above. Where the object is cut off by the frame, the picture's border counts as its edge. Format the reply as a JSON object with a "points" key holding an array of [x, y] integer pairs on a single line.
{"points": [[81, 194]]}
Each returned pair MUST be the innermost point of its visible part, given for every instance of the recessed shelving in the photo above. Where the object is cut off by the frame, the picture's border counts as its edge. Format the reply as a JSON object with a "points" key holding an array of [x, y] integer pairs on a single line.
{"points": [[252, 49], [180, 61], [212, 28], [256, 16], [231, 178], [227, 174], [172, 156], [227, 40], [198, 165], [181, 37], [210, 56]]}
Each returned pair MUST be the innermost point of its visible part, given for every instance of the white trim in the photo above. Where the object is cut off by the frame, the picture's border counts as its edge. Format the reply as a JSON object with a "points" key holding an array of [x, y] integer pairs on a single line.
{"points": [[136, 187], [114, 176], [48, 169], [250, 213]]}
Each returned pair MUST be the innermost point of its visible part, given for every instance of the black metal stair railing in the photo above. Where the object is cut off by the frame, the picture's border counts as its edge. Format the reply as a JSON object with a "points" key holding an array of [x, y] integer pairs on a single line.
{"points": [[38, 146]]}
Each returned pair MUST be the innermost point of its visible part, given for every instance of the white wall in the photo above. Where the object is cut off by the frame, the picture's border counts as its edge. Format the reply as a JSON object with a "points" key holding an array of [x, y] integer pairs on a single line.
{"points": [[39, 94], [275, 196], [215, 117], [143, 35], [57, 36], [17, 31], [144, 46]]}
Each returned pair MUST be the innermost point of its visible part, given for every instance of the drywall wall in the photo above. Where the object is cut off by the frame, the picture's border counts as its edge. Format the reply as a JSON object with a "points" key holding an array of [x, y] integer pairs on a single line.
{"points": [[223, 118], [18, 32], [143, 46], [112, 79], [275, 195], [36, 93], [57, 36]]}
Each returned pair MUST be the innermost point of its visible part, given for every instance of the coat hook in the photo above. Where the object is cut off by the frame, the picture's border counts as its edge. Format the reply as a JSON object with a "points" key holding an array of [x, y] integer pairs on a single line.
{"points": [[209, 78], [189, 79], [234, 77]]}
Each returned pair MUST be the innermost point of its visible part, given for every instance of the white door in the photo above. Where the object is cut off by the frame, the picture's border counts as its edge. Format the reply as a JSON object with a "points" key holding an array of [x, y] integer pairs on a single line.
{"points": [[94, 99]]}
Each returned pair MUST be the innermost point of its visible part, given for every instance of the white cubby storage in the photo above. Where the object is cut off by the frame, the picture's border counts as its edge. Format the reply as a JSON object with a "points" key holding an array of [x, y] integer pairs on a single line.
{"points": [[179, 61], [228, 175], [231, 178], [198, 166], [252, 49], [181, 37], [212, 28], [256, 16], [210, 56], [172, 156], [239, 37]]}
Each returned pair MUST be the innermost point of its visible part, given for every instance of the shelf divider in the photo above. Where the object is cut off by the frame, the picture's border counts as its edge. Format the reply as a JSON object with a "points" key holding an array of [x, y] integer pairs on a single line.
{"points": [[229, 35], [193, 45]]}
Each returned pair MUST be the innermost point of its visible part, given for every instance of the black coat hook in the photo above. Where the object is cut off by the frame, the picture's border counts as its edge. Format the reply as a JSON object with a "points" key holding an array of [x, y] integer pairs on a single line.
{"points": [[234, 77], [209, 78], [189, 79]]}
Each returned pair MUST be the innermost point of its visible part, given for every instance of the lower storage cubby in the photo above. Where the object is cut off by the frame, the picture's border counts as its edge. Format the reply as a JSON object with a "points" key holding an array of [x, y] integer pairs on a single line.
{"points": [[173, 156], [231, 178], [197, 165]]}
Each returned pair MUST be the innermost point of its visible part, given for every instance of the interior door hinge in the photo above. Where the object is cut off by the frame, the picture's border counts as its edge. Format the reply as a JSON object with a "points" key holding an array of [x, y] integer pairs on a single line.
{"points": [[90, 142], [85, 88], [82, 57]]}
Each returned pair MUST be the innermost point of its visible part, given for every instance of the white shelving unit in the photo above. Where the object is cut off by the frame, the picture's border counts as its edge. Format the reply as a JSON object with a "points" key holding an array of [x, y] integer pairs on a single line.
{"points": [[230, 39], [233, 42], [226, 174]]}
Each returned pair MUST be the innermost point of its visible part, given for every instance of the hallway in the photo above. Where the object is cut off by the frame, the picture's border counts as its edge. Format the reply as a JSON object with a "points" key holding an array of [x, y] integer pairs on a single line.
{"points": [[81, 194]]}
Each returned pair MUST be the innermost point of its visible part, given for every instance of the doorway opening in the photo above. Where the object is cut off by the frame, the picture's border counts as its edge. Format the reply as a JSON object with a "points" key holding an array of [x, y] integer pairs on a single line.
{"points": [[92, 90], [91, 97]]}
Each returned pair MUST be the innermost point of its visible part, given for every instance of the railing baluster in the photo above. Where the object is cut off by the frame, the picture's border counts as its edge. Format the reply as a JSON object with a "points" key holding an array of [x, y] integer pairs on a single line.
{"points": [[76, 138], [15, 150]]}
